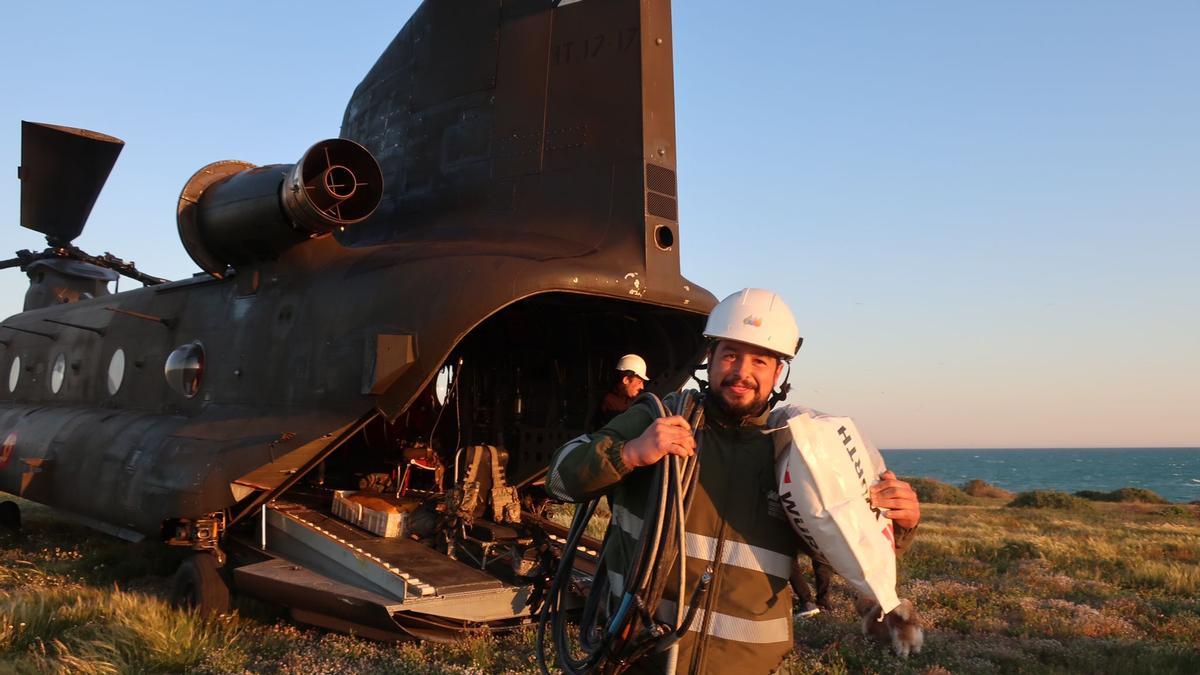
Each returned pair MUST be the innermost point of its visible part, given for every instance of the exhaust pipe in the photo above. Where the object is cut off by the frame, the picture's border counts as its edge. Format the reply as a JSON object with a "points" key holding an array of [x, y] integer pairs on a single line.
{"points": [[233, 213]]}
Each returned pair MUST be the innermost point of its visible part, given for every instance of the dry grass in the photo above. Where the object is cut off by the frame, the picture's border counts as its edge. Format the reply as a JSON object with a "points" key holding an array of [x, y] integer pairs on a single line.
{"points": [[91, 630], [1109, 590]]}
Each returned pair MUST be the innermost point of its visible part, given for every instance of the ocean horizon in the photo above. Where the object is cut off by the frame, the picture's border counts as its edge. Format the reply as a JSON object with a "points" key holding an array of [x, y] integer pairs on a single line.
{"points": [[1172, 472]]}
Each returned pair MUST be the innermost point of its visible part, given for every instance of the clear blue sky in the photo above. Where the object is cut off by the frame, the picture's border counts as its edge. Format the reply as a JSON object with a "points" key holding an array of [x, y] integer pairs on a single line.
{"points": [[985, 215]]}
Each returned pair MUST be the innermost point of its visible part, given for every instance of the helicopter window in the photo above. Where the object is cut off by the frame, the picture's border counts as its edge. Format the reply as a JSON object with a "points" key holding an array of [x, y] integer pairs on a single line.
{"points": [[116, 371], [184, 368], [14, 374], [58, 373]]}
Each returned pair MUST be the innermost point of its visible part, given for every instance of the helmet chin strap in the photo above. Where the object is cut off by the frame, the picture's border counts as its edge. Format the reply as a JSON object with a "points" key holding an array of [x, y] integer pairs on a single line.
{"points": [[696, 370], [781, 394]]}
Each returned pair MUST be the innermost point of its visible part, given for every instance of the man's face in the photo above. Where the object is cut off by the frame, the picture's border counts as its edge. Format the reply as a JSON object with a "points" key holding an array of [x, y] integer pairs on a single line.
{"points": [[741, 377], [632, 385]]}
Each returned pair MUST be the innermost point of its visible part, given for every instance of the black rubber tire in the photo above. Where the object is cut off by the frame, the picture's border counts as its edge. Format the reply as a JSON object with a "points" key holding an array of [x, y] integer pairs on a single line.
{"points": [[10, 515], [200, 585]]}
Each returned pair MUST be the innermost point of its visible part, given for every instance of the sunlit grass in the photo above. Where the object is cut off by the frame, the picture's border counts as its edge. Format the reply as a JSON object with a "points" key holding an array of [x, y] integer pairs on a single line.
{"points": [[1134, 551], [1113, 589], [96, 630]]}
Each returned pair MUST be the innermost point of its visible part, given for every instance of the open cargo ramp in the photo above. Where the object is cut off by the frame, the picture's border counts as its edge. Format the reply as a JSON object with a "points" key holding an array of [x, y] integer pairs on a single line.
{"points": [[338, 576]]}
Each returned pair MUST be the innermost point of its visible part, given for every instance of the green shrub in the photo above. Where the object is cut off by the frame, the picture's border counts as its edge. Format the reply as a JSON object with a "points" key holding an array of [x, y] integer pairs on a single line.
{"points": [[1132, 494], [981, 488], [1048, 499], [931, 491], [1126, 494]]}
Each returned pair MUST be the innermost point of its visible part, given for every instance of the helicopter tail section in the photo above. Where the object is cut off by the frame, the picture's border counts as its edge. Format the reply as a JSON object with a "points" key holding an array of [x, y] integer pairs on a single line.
{"points": [[541, 122]]}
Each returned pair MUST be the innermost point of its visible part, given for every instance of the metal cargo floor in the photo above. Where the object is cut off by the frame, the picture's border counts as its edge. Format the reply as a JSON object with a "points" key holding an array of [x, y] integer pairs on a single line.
{"points": [[414, 561]]}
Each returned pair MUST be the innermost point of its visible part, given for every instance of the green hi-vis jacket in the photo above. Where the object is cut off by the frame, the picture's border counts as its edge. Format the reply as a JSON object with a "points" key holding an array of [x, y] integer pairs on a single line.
{"points": [[745, 622]]}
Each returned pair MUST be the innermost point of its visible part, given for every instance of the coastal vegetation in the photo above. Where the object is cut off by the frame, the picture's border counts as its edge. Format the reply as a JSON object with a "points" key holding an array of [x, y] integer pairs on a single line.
{"points": [[1049, 499], [977, 491], [931, 491], [1127, 494], [1113, 588], [985, 490]]}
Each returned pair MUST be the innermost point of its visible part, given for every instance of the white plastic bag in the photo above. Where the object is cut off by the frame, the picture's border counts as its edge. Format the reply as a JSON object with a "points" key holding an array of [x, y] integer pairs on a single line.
{"points": [[825, 469]]}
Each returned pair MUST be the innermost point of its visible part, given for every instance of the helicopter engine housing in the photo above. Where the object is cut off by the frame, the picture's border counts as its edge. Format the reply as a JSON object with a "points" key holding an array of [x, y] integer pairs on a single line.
{"points": [[233, 213]]}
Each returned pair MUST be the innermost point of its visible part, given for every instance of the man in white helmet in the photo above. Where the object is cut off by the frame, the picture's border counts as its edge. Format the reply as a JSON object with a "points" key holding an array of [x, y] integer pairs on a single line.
{"points": [[629, 380], [745, 622]]}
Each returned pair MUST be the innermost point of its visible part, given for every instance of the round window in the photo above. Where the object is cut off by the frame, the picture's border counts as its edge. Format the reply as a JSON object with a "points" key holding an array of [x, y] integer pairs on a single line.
{"points": [[58, 373], [184, 368], [14, 373], [116, 371]]}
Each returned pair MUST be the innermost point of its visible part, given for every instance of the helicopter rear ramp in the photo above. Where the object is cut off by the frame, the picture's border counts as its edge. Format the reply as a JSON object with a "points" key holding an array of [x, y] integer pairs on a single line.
{"points": [[335, 575]]}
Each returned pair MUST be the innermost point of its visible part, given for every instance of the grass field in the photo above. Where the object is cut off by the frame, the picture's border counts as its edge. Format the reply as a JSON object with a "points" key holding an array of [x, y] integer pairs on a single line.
{"points": [[1090, 588]]}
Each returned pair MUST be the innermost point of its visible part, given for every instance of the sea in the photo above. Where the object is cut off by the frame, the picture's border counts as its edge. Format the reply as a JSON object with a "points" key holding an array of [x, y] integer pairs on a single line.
{"points": [[1172, 473]]}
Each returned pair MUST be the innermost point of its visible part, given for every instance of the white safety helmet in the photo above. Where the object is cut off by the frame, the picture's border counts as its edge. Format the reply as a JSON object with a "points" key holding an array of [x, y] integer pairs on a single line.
{"points": [[634, 364], [756, 317]]}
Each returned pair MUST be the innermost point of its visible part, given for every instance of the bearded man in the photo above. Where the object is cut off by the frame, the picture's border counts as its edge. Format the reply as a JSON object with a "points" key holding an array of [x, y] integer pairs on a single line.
{"points": [[744, 622]]}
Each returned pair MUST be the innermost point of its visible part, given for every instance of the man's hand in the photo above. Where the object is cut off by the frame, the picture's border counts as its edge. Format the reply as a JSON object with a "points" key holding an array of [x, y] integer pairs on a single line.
{"points": [[898, 498], [666, 436]]}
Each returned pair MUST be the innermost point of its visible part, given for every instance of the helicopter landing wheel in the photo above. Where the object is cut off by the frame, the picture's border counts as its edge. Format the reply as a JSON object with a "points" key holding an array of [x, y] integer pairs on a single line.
{"points": [[200, 585], [10, 515]]}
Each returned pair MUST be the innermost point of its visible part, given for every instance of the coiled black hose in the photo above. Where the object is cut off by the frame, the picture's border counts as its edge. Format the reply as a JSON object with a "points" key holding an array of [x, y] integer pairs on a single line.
{"points": [[632, 630]]}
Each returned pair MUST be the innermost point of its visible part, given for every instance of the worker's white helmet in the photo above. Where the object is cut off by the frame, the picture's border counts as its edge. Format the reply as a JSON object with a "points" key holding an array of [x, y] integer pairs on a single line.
{"points": [[634, 364], [756, 317]]}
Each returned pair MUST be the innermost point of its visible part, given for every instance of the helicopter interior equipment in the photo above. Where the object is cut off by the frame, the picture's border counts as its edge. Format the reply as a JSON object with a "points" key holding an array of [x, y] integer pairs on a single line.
{"points": [[349, 412]]}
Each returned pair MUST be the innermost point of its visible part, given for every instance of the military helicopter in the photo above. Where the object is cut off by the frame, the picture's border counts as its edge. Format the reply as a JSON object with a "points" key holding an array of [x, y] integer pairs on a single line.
{"points": [[417, 313]]}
